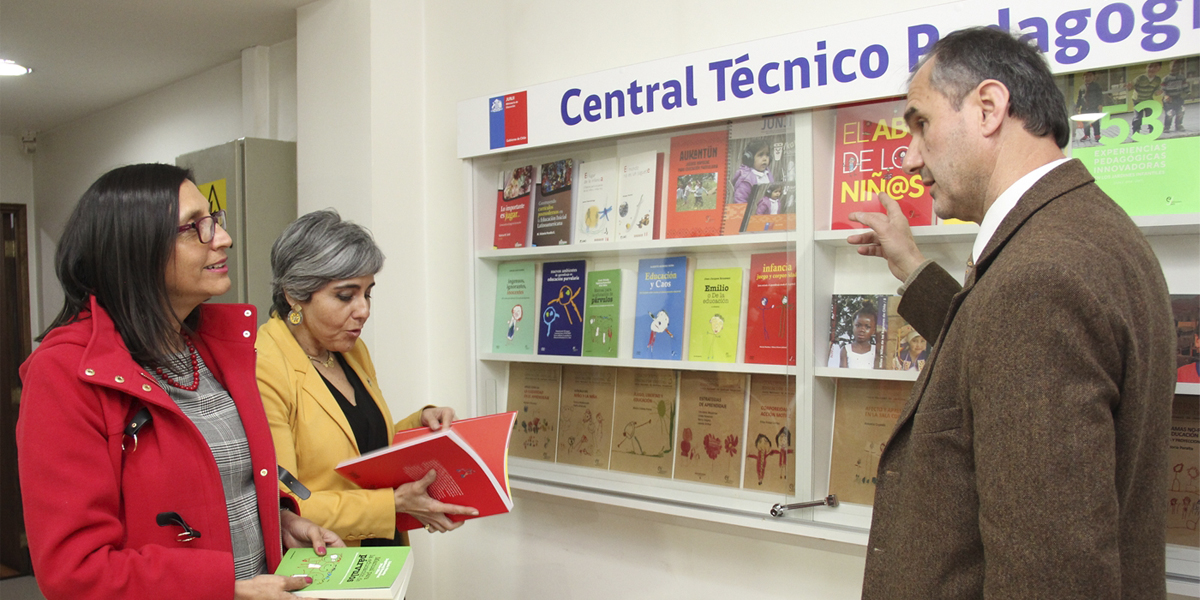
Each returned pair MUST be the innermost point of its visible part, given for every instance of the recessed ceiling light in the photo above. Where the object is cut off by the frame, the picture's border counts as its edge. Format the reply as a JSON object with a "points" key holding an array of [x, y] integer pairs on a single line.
{"points": [[9, 68]]}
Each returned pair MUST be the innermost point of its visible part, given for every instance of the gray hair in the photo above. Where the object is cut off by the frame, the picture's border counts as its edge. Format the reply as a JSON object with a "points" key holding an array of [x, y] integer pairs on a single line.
{"points": [[966, 57], [316, 249]]}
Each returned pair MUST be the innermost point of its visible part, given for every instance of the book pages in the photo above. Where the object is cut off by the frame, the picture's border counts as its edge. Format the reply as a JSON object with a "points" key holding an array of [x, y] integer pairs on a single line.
{"points": [[770, 444], [585, 417], [533, 392], [643, 421], [1183, 458], [863, 420], [711, 407]]}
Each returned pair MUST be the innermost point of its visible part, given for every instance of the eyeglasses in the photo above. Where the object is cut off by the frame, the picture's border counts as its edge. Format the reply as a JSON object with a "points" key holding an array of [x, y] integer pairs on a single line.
{"points": [[206, 227]]}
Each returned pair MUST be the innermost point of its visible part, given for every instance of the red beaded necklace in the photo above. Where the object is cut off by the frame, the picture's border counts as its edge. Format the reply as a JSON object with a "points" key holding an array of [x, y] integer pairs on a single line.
{"points": [[195, 370]]}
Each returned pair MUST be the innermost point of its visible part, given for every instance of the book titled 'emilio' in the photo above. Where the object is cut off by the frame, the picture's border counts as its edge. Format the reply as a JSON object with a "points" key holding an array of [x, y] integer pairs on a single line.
{"points": [[560, 331], [658, 322], [716, 304], [367, 573], [470, 458]]}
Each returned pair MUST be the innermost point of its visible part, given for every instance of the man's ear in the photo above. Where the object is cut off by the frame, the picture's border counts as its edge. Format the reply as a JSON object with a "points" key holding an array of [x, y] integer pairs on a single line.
{"points": [[992, 97]]}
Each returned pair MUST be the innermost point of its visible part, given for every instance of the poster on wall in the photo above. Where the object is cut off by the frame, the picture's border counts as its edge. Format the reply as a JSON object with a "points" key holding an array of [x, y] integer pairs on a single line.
{"points": [[1137, 129]]}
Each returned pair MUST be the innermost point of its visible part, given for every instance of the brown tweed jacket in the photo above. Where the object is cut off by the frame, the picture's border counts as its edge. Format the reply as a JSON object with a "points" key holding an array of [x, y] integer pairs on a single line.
{"points": [[1030, 460]]}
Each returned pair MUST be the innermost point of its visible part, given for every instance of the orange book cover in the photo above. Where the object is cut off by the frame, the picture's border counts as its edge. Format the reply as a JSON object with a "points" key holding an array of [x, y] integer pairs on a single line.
{"points": [[470, 457], [696, 173]]}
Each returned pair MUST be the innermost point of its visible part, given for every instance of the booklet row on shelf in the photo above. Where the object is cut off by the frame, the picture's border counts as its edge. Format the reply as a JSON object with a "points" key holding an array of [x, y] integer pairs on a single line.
{"points": [[867, 332], [580, 312], [686, 425], [741, 180]]}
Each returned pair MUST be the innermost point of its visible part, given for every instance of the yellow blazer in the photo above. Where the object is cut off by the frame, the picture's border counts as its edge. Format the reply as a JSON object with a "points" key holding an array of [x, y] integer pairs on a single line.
{"points": [[312, 435]]}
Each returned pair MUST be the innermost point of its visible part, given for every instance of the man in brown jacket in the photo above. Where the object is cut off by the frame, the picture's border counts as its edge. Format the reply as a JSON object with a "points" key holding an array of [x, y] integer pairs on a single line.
{"points": [[1030, 459]]}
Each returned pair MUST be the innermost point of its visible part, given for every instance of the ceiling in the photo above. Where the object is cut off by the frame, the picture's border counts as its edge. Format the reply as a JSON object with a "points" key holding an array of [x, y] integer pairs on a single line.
{"points": [[88, 55]]}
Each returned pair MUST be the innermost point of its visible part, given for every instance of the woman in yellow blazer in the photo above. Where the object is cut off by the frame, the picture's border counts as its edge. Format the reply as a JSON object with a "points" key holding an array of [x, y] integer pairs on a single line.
{"points": [[319, 386]]}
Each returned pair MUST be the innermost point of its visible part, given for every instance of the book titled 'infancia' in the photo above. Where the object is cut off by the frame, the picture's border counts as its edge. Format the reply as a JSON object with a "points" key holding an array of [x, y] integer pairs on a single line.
{"points": [[771, 309], [469, 458]]}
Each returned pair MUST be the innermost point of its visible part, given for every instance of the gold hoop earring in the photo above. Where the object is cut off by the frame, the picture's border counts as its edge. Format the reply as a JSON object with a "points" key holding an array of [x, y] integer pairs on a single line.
{"points": [[294, 316]]}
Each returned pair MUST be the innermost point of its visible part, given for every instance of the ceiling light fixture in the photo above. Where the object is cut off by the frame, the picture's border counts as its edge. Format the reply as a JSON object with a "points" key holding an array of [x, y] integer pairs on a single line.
{"points": [[10, 69]]}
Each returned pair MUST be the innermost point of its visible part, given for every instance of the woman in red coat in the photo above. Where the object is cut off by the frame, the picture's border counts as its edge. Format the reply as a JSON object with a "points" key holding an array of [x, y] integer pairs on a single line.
{"points": [[146, 463]]}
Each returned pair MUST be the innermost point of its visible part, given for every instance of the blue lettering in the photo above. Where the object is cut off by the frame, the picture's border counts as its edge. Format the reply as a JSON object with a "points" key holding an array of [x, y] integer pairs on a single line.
{"points": [[743, 79], [1104, 23], [917, 48], [1040, 33], [562, 107], [674, 96], [591, 108], [864, 63], [788, 70], [838, 74], [1071, 51], [767, 88], [822, 77], [1152, 27]]}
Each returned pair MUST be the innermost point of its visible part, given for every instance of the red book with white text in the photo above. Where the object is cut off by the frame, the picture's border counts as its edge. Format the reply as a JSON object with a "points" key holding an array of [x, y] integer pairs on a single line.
{"points": [[513, 201], [470, 457]]}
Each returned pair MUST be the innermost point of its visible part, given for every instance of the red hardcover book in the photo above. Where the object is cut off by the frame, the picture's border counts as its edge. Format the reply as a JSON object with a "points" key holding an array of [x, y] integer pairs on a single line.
{"points": [[771, 309], [871, 140], [470, 458], [512, 208], [696, 176]]}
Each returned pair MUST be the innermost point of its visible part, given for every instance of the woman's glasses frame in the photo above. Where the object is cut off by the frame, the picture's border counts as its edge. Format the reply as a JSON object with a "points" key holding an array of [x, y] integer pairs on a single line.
{"points": [[206, 227]]}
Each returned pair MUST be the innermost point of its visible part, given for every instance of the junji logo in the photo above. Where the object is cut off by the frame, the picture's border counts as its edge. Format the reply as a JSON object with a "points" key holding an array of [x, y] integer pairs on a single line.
{"points": [[508, 120]]}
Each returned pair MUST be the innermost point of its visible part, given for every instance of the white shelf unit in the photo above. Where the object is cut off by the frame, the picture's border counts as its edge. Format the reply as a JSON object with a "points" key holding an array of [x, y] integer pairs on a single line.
{"points": [[826, 265]]}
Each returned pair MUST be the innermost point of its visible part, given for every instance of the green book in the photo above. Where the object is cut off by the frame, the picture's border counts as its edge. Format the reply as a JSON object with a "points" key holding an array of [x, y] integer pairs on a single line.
{"points": [[716, 308], [602, 313], [513, 333], [377, 572]]}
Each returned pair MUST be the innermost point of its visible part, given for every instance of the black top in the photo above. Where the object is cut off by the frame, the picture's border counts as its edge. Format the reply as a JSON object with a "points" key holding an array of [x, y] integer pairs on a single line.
{"points": [[366, 421]]}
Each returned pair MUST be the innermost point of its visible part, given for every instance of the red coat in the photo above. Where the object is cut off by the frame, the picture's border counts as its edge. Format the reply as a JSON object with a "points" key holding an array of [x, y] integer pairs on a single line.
{"points": [[90, 507]]}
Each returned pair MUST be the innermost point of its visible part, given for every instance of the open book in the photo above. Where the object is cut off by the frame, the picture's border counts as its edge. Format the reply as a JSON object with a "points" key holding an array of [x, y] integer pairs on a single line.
{"points": [[381, 572], [470, 457]]}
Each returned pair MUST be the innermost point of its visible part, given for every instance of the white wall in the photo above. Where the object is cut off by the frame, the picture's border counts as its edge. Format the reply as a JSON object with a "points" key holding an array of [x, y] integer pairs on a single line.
{"points": [[195, 113], [422, 58], [16, 187]]}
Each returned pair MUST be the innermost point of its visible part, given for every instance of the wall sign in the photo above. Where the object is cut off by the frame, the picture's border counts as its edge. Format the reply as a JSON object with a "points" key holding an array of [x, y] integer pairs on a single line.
{"points": [[842, 63]]}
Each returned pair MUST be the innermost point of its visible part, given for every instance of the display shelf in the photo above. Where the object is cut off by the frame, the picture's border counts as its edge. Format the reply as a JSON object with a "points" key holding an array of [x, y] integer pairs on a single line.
{"points": [[878, 374], [763, 242], [801, 523], [1188, 224], [681, 365], [925, 234], [826, 265]]}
